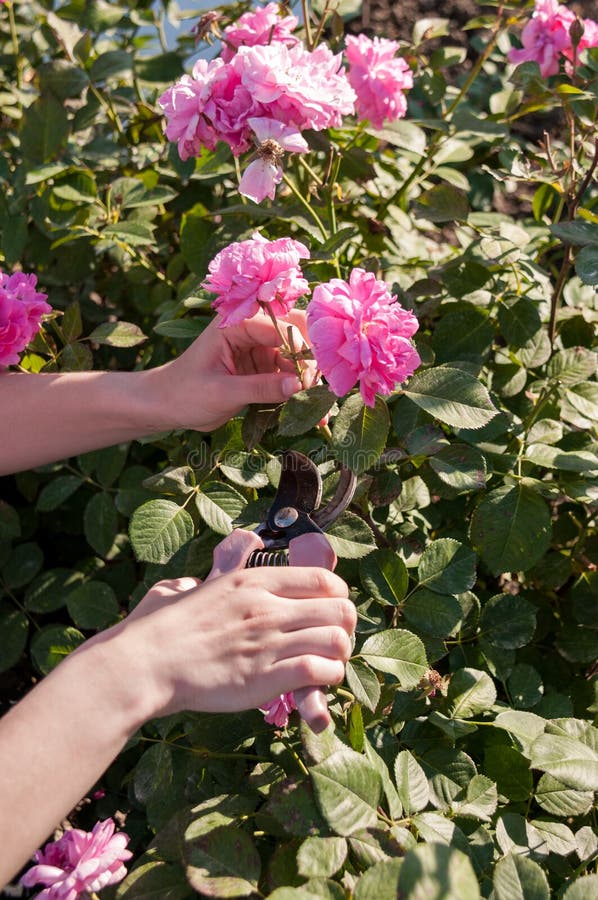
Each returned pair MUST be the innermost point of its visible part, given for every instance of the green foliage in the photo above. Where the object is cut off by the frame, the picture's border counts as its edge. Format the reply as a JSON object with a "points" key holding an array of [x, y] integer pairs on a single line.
{"points": [[463, 760]]}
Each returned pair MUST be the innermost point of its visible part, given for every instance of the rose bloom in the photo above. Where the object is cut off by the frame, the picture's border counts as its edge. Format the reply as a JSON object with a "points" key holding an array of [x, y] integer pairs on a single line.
{"points": [[296, 87], [546, 37], [277, 711], [21, 310], [360, 333], [378, 77], [80, 862], [248, 274], [260, 26], [261, 176]]}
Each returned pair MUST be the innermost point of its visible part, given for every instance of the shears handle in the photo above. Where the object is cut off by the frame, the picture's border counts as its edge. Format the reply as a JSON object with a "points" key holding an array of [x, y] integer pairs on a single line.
{"points": [[306, 550]]}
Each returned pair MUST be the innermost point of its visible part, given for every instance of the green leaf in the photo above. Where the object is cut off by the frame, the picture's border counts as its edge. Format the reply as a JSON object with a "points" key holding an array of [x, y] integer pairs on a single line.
{"points": [[572, 366], [130, 233], [347, 789], [384, 576], [10, 526], [579, 233], [398, 652], [465, 333], [100, 522], [218, 504], [158, 529], [44, 130], [566, 460], [50, 646], [314, 889], [118, 334], [586, 264], [62, 78], [162, 69], [412, 783], [442, 203], [57, 491], [93, 605], [519, 878], [570, 761], [557, 799], [379, 882], [519, 322], [154, 881], [350, 537], [437, 872], [461, 467], [585, 888], [447, 567], [49, 591], [401, 134], [452, 396], [559, 838], [510, 770], [433, 614], [359, 433], [153, 773], [470, 692], [223, 863], [480, 799], [514, 834], [511, 528], [305, 409], [14, 628], [321, 857], [508, 621], [363, 682], [525, 686], [23, 564], [187, 329], [523, 726], [109, 64]]}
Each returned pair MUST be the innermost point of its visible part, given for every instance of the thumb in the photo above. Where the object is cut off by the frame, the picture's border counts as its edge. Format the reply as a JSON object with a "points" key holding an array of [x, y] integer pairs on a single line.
{"points": [[233, 552], [268, 388], [312, 550]]}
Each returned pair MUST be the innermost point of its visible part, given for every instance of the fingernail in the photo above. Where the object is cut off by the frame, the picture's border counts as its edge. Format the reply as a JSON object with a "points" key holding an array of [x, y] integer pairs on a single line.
{"points": [[290, 386]]}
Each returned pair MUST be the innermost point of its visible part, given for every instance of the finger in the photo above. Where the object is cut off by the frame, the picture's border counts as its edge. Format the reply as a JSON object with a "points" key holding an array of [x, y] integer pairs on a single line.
{"points": [[313, 708], [270, 387], [233, 552], [332, 642], [317, 612], [312, 550], [298, 583]]}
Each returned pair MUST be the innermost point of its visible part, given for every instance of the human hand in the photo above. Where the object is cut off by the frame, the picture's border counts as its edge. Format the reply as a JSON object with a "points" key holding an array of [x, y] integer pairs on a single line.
{"points": [[226, 369], [238, 639]]}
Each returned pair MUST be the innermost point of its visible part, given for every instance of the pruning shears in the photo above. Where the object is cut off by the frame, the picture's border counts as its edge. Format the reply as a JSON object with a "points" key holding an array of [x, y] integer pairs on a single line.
{"points": [[294, 513]]}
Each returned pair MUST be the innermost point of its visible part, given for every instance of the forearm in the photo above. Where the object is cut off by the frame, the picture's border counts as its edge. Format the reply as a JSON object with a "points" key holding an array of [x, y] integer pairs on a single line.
{"points": [[58, 741], [50, 417]]}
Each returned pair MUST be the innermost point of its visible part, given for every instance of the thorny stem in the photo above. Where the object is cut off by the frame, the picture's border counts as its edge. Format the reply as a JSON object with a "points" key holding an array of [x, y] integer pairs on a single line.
{"points": [[331, 6], [308, 35]]}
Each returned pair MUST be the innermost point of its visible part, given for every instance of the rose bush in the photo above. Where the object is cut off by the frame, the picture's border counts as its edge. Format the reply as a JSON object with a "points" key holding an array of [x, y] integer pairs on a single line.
{"points": [[463, 761]]}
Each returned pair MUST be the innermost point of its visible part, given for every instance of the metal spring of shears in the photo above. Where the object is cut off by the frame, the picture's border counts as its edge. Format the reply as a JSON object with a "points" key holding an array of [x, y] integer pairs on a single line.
{"points": [[268, 558]]}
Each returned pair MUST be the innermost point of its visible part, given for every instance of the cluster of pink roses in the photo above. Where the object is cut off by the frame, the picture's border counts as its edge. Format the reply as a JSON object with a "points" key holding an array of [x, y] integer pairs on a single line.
{"points": [[357, 329], [21, 310], [266, 88], [547, 37], [80, 862]]}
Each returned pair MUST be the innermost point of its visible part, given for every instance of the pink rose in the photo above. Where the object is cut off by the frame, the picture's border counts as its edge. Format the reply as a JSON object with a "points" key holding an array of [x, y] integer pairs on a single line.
{"points": [[261, 176], [260, 26], [378, 77], [80, 862], [360, 333], [546, 37], [21, 310], [277, 711], [249, 274]]}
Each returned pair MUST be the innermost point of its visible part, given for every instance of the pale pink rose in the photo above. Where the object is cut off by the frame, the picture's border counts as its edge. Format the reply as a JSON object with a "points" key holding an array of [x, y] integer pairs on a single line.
{"points": [[296, 87], [249, 274], [546, 37], [260, 26], [378, 77], [277, 711], [21, 311], [261, 176], [80, 862], [360, 333]]}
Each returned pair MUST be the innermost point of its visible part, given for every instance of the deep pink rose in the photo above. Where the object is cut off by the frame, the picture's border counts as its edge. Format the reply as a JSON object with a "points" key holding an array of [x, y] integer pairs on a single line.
{"points": [[546, 37], [261, 176], [260, 26], [248, 274], [378, 77], [296, 87], [277, 711], [360, 333], [21, 310], [80, 862]]}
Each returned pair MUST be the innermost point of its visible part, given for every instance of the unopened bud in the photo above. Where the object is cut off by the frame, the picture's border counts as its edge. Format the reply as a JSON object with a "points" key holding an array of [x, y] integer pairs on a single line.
{"points": [[576, 30]]}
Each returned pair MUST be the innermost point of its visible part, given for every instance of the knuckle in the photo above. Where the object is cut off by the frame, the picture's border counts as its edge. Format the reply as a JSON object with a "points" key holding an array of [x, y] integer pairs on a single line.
{"points": [[308, 670], [340, 644], [337, 674], [348, 616]]}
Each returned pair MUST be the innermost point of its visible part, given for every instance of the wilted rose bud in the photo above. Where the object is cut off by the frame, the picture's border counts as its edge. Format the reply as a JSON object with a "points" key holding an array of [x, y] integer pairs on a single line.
{"points": [[576, 30]]}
